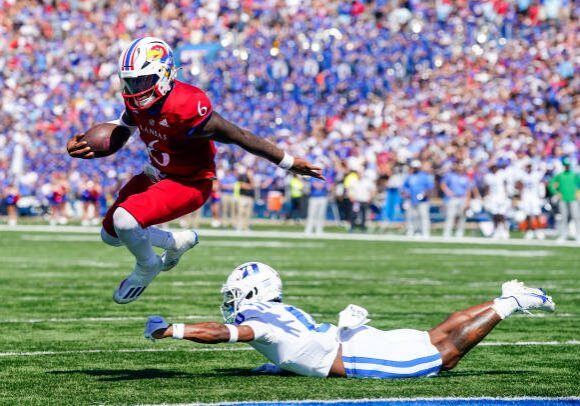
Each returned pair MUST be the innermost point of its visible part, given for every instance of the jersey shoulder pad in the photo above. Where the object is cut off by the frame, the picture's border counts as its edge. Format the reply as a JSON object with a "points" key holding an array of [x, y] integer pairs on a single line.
{"points": [[191, 103], [251, 311]]}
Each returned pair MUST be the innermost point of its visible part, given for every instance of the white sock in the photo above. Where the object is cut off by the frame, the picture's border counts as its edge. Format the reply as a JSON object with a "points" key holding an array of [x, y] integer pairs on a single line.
{"points": [[134, 237], [161, 238], [504, 306]]}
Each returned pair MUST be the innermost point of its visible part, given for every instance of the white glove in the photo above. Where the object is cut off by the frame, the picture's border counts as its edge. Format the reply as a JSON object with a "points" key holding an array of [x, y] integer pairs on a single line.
{"points": [[351, 317], [152, 172]]}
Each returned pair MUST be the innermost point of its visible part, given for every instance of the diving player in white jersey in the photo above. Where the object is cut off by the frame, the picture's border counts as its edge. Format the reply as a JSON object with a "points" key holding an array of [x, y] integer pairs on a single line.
{"points": [[496, 201], [532, 193], [290, 338]]}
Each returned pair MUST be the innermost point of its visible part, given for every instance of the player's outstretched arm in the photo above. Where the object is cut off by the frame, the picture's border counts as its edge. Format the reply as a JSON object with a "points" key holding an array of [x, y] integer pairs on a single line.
{"points": [[222, 130], [205, 333]]}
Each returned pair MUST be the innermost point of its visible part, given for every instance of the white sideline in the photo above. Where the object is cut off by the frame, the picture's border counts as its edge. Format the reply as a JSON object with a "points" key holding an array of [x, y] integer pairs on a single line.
{"points": [[136, 350], [482, 399], [302, 236]]}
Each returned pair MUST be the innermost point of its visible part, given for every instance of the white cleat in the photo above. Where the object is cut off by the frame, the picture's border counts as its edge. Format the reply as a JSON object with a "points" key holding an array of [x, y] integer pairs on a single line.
{"points": [[527, 298], [134, 285], [184, 241]]}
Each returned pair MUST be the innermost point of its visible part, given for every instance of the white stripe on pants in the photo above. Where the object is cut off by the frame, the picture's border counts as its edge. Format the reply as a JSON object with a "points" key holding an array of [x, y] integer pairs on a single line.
{"points": [[316, 214]]}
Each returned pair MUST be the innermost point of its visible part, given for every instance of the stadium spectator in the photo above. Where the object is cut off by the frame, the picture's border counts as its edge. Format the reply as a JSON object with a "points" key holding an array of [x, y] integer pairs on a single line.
{"points": [[227, 184], [457, 189], [565, 186], [361, 191], [532, 195], [296, 188], [497, 201], [11, 196], [354, 83], [317, 206], [417, 190], [90, 193], [245, 198]]}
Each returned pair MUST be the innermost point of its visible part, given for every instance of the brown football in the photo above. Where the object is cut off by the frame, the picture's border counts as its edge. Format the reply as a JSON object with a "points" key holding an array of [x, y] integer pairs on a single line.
{"points": [[106, 138]]}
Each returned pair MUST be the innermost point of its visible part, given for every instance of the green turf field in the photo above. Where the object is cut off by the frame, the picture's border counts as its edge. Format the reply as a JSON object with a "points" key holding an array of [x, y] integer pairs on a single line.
{"points": [[64, 341]]}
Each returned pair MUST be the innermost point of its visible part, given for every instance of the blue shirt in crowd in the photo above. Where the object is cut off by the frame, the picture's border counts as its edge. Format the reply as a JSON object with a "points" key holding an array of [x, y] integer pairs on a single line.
{"points": [[459, 184], [228, 181], [417, 186]]}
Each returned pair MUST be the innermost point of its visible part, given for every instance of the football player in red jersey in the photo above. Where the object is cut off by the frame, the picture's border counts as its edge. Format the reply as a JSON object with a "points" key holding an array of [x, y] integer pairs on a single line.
{"points": [[177, 123]]}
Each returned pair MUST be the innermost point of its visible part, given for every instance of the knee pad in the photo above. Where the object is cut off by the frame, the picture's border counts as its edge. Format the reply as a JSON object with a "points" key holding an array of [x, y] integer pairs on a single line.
{"points": [[123, 220], [109, 239]]}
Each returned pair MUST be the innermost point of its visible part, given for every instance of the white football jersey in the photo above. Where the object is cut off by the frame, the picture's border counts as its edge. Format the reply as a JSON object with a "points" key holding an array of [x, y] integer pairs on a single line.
{"points": [[532, 185], [497, 185], [290, 338]]}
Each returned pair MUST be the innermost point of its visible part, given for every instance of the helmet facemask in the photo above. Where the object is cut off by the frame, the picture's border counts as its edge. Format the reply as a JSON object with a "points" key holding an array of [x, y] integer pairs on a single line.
{"points": [[249, 283]]}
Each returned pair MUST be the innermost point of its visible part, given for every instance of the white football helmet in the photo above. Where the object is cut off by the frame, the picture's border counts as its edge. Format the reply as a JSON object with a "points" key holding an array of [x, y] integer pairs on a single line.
{"points": [[146, 71], [249, 283]]}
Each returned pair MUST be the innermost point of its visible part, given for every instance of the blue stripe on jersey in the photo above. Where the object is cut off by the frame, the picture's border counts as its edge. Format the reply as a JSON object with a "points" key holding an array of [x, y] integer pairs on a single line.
{"points": [[388, 363], [128, 56], [363, 373]]}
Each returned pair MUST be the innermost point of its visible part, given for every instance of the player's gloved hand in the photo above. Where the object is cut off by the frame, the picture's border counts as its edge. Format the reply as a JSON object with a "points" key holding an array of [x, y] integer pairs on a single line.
{"points": [[352, 316], [79, 149], [154, 325], [303, 167]]}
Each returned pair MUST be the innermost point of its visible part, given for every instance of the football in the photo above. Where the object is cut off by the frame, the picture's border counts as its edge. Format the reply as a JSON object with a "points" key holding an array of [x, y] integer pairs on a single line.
{"points": [[106, 138]]}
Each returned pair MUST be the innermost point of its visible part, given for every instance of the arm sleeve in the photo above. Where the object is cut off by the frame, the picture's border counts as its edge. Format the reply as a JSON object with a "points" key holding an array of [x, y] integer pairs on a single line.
{"points": [[125, 120]]}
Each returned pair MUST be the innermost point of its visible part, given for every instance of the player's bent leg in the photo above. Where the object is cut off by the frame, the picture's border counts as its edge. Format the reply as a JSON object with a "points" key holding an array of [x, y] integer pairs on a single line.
{"points": [[148, 264], [183, 241], [109, 239], [465, 329]]}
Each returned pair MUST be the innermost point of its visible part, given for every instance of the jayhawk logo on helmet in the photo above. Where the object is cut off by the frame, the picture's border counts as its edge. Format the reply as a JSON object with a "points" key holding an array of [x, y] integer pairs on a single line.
{"points": [[157, 51], [146, 71]]}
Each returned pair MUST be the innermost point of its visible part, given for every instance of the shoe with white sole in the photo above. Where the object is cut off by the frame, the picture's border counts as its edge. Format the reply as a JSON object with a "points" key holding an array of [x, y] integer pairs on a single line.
{"points": [[153, 324], [184, 241], [527, 298], [135, 284]]}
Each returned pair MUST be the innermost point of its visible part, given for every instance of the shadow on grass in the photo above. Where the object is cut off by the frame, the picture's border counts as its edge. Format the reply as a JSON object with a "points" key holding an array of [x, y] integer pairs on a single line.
{"points": [[126, 374], [111, 375]]}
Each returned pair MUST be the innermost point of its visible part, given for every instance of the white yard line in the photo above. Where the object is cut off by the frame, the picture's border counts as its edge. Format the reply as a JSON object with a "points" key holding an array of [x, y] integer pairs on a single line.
{"points": [[301, 236], [96, 319], [137, 350], [481, 251], [118, 351]]}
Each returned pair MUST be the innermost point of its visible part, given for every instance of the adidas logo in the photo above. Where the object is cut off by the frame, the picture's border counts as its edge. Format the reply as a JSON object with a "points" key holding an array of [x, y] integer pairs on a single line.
{"points": [[164, 123]]}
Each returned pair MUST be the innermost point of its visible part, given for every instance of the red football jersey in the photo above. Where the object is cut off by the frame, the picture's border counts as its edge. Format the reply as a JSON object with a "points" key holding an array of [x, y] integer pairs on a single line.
{"points": [[168, 133]]}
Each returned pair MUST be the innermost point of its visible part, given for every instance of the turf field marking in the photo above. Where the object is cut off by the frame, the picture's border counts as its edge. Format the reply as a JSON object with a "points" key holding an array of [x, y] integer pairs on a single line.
{"points": [[480, 251], [208, 243], [96, 319], [440, 401], [301, 236], [137, 350], [119, 351]]}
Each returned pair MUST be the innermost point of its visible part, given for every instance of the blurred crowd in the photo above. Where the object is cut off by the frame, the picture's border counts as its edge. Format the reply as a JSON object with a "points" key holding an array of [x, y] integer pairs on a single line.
{"points": [[400, 101]]}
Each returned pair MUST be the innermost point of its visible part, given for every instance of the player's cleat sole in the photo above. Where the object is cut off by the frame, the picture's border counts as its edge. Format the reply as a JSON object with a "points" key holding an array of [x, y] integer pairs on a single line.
{"points": [[132, 287], [153, 324], [184, 241], [528, 298]]}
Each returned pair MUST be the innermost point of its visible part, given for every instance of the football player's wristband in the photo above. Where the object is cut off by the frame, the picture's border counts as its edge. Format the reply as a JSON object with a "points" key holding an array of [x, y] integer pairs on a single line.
{"points": [[287, 162], [178, 331], [233, 333]]}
